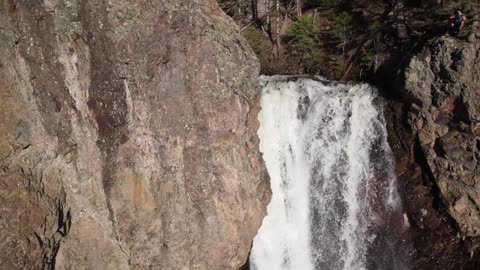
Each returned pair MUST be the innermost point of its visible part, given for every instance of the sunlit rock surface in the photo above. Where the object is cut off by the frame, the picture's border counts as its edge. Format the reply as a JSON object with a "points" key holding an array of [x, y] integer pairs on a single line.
{"points": [[442, 83], [127, 136]]}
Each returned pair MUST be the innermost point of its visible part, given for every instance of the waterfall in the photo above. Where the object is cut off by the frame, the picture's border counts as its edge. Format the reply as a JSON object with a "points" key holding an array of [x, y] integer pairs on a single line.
{"points": [[334, 203]]}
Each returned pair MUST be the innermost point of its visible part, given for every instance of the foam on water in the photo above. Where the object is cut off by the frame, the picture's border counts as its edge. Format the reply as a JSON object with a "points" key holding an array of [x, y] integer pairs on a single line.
{"points": [[325, 147]]}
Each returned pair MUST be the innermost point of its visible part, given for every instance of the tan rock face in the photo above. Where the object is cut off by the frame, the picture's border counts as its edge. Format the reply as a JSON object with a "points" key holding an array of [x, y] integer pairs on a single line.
{"points": [[127, 136], [443, 85]]}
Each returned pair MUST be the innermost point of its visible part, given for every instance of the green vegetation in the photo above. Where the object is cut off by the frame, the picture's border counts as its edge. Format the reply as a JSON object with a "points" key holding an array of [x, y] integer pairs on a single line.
{"points": [[343, 26], [335, 38], [328, 3], [375, 28], [255, 38], [338, 65], [303, 36]]}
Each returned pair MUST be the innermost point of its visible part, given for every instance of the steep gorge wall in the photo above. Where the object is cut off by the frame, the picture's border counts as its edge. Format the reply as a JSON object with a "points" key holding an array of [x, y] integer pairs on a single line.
{"points": [[127, 136], [444, 86], [435, 132]]}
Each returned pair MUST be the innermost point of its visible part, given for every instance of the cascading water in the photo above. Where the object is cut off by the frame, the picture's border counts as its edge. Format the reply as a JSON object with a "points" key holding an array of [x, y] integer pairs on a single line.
{"points": [[334, 203]]}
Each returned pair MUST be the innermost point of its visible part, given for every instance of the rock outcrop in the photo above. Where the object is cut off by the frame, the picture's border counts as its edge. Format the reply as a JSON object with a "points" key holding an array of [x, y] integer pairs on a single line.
{"points": [[127, 136], [443, 84], [433, 131]]}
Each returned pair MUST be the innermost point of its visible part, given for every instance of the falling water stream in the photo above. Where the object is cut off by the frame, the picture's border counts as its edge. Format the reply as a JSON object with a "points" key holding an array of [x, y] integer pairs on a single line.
{"points": [[334, 203]]}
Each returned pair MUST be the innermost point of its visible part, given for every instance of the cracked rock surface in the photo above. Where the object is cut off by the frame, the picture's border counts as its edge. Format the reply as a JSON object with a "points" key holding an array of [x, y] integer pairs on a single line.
{"points": [[127, 136], [443, 84]]}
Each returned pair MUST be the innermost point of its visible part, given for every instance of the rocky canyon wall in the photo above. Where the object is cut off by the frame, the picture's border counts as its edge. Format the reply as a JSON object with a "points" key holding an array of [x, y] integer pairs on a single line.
{"points": [[127, 136], [444, 85], [435, 132]]}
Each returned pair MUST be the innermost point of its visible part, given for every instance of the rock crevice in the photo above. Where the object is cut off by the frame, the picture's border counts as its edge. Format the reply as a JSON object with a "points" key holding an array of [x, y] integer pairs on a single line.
{"points": [[444, 122], [433, 133]]}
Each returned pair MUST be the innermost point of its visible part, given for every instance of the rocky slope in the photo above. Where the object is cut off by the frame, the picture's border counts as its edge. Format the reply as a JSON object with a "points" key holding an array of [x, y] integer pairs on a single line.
{"points": [[444, 85], [435, 132], [127, 136]]}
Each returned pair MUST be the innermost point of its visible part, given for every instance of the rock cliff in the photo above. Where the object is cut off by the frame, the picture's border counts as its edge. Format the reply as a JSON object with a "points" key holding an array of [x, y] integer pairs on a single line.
{"points": [[127, 136], [437, 126], [443, 84]]}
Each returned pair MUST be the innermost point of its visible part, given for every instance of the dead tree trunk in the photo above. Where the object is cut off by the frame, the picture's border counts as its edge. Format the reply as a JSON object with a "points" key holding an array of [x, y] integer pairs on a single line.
{"points": [[267, 13], [299, 8]]}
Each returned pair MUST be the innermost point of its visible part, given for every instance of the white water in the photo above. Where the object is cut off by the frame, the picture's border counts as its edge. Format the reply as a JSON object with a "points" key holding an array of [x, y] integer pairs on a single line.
{"points": [[331, 169]]}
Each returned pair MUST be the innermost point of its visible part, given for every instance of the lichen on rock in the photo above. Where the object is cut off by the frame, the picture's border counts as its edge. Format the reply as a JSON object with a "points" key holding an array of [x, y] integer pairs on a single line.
{"points": [[442, 83], [127, 136]]}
